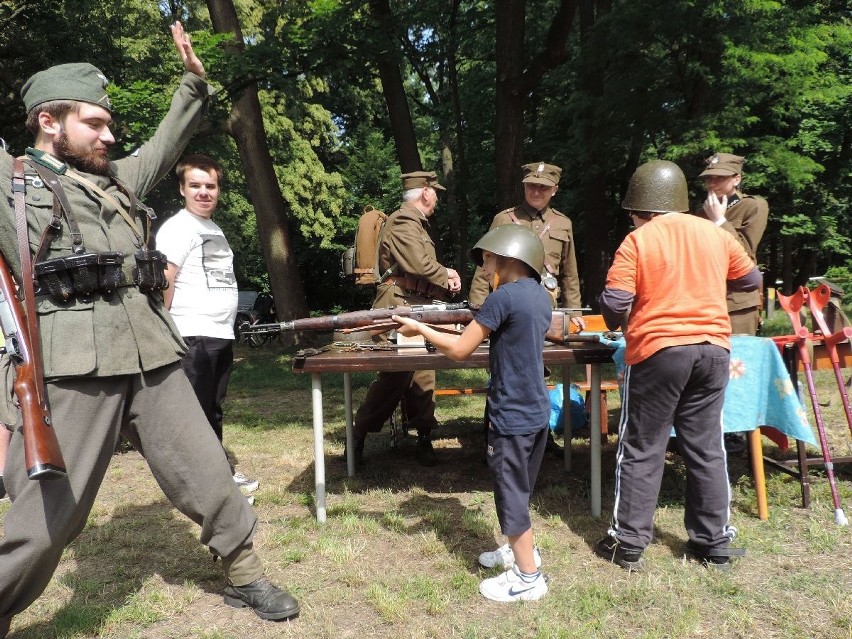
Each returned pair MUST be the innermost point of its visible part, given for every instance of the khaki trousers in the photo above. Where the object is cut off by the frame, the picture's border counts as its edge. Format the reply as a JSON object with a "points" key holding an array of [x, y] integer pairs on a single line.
{"points": [[745, 321], [156, 410], [417, 389]]}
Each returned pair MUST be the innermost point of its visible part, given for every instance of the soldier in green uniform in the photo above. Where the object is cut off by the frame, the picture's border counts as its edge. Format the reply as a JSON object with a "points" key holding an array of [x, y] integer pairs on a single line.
{"points": [[111, 355], [541, 181], [745, 217], [407, 253]]}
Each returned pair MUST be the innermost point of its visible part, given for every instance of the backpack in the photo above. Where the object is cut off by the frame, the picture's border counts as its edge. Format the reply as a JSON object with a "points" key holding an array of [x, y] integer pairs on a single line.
{"points": [[359, 262]]}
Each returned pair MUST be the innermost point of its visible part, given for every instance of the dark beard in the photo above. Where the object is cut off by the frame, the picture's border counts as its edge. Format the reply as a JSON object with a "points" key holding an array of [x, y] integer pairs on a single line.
{"points": [[86, 162]]}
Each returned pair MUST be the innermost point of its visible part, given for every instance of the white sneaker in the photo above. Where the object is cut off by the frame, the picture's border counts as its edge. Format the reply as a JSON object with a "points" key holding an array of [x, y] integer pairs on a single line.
{"points": [[248, 485], [510, 586], [503, 557], [250, 499]]}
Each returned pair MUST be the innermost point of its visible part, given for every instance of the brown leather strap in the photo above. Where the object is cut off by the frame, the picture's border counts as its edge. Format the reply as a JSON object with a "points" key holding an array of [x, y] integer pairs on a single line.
{"points": [[541, 235], [60, 204], [27, 288]]}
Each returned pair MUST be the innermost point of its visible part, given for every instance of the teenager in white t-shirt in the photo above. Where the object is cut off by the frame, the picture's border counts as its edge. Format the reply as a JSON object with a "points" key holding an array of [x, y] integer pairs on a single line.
{"points": [[202, 293]]}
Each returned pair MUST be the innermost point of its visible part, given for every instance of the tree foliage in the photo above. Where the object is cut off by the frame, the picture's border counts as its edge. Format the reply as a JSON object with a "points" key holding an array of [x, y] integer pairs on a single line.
{"points": [[598, 86]]}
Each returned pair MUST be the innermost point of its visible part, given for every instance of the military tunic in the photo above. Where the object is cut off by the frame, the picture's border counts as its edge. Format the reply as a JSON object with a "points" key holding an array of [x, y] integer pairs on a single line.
{"points": [[746, 221], [559, 252], [113, 365], [405, 241]]}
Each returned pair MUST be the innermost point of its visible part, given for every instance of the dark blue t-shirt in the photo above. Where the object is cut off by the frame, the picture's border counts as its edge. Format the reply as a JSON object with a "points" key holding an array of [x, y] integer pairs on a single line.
{"points": [[518, 315]]}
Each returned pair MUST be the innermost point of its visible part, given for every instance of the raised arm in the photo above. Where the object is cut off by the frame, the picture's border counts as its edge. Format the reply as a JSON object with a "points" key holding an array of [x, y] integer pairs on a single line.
{"points": [[183, 44]]}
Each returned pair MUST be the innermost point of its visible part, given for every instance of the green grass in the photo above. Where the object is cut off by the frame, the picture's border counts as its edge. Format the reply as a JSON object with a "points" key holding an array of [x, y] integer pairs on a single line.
{"points": [[397, 555]]}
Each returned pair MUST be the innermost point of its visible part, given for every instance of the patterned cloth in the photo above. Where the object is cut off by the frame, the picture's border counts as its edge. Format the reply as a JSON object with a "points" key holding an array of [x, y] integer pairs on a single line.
{"points": [[759, 391]]}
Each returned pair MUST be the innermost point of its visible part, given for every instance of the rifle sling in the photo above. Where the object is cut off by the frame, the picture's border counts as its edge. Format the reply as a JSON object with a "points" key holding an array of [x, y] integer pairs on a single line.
{"points": [[27, 283]]}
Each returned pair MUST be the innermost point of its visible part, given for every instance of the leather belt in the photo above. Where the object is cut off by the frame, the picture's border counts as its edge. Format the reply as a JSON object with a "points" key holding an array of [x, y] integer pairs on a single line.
{"points": [[418, 286]]}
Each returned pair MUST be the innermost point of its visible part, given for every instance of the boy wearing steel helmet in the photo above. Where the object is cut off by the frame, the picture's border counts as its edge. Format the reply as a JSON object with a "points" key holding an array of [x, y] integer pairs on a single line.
{"points": [[516, 317], [666, 288]]}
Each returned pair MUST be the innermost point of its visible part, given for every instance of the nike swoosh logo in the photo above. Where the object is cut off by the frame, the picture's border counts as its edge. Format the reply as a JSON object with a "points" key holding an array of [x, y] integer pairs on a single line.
{"points": [[515, 593]]}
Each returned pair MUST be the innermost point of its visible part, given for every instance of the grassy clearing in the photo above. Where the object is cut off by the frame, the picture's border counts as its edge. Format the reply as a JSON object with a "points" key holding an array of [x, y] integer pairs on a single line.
{"points": [[397, 556]]}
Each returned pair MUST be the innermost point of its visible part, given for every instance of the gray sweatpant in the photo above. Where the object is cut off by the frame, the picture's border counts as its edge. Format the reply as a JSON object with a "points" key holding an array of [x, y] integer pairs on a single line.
{"points": [[682, 386], [158, 411]]}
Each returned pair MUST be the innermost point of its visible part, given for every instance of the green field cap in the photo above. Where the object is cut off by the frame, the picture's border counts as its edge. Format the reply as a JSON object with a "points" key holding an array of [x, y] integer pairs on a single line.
{"points": [[78, 81], [541, 173], [420, 179]]}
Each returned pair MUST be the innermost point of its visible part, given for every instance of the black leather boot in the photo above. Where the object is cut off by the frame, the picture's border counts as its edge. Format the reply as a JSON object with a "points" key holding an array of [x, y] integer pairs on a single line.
{"points": [[425, 453], [268, 601]]}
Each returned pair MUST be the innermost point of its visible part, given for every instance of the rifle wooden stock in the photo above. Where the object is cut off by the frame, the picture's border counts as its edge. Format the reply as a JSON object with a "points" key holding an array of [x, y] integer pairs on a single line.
{"points": [[41, 448], [435, 314]]}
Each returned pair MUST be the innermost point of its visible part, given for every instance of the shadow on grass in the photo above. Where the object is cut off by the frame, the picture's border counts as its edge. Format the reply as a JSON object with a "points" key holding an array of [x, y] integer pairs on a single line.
{"points": [[461, 467], [115, 560]]}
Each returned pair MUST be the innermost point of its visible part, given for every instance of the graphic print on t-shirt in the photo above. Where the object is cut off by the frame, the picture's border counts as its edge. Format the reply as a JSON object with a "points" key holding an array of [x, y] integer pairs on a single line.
{"points": [[217, 261]]}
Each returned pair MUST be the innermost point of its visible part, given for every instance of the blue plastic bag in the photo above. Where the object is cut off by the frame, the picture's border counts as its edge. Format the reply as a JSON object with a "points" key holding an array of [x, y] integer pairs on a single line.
{"points": [[579, 418]]}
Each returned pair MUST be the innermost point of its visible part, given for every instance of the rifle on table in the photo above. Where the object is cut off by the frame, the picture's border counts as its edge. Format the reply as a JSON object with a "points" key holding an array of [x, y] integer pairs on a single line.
{"points": [[41, 448], [438, 316]]}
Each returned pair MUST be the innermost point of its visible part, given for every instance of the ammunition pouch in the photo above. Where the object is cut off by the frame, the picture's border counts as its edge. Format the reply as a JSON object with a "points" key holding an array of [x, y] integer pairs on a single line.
{"points": [[82, 274], [149, 274]]}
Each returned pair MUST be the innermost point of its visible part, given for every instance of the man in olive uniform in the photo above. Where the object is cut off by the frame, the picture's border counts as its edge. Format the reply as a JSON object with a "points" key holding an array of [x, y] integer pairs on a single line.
{"points": [[111, 356], [407, 252], [745, 217], [541, 181]]}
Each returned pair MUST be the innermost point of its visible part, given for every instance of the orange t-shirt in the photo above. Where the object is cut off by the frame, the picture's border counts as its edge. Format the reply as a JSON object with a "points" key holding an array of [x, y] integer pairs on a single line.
{"points": [[677, 266]]}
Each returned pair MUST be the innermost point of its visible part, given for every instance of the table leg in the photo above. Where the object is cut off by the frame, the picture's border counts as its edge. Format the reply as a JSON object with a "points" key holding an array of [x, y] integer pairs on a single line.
{"points": [[347, 418], [319, 445], [566, 416], [595, 440], [756, 451]]}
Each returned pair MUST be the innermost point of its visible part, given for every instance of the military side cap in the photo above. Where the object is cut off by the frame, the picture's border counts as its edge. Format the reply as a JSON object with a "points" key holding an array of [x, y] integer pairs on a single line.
{"points": [[78, 81], [420, 179], [723, 164], [541, 173]]}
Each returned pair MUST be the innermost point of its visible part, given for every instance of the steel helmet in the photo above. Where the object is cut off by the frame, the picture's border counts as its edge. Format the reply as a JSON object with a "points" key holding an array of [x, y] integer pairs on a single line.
{"points": [[512, 240], [658, 186]]}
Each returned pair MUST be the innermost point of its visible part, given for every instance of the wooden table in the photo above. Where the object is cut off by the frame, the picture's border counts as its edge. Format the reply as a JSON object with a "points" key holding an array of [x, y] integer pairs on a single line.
{"points": [[348, 361]]}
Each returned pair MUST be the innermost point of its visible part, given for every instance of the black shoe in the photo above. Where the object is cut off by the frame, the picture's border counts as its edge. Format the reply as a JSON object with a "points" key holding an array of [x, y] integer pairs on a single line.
{"points": [[552, 447], [716, 558], [735, 444], [425, 453], [267, 600], [358, 450], [612, 550]]}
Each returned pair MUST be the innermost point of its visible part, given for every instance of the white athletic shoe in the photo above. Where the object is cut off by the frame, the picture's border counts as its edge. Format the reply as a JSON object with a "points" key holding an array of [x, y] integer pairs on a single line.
{"points": [[510, 586], [503, 557], [250, 499], [248, 485]]}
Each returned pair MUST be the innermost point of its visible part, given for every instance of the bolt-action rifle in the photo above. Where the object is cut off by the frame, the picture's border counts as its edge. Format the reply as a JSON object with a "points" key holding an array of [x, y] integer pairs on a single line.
{"points": [[41, 448], [439, 316]]}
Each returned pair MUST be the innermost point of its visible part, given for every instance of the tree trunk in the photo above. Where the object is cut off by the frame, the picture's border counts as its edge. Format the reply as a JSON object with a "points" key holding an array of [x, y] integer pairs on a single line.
{"points": [[459, 184], [393, 89], [509, 102], [514, 85], [246, 127]]}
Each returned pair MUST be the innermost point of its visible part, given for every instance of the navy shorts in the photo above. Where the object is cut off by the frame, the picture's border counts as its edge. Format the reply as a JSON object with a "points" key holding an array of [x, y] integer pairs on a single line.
{"points": [[514, 461]]}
